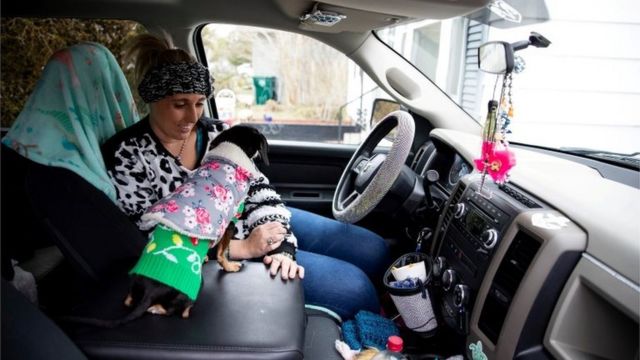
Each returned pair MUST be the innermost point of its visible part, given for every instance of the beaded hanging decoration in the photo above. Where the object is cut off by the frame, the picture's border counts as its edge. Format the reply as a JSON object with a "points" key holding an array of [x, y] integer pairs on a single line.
{"points": [[496, 158]]}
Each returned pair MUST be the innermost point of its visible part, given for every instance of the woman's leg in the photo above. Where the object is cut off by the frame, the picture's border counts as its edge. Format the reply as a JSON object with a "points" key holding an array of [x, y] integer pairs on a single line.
{"points": [[351, 243], [336, 285]]}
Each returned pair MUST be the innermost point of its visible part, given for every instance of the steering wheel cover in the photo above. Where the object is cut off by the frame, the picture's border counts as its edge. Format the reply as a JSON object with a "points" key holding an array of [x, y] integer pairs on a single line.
{"points": [[386, 175]]}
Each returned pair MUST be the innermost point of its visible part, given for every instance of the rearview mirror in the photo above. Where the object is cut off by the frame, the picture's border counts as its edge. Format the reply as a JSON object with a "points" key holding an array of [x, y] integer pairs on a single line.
{"points": [[496, 57], [382, 107]]}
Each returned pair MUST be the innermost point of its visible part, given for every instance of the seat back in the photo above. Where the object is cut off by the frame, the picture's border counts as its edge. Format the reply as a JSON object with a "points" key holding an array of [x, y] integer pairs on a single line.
{"points": [[59, 207], [21, 234], [52, 153]]}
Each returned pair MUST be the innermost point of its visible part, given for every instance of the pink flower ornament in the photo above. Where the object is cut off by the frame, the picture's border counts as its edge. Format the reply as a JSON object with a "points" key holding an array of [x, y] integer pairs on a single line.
{"points": [[497, 164]]}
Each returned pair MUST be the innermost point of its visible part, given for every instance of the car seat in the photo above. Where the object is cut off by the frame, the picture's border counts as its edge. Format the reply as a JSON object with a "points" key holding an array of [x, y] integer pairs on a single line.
{"points": [[22, 322]]}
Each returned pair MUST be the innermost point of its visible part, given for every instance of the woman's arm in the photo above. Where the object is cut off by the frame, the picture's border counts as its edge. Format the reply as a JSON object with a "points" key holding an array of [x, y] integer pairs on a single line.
{"points": [[130, 176], [257, 244], [265, 224], [263, 205]]}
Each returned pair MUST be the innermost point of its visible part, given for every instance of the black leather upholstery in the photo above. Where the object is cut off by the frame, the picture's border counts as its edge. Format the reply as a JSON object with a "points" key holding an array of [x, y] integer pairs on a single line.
{"points": [[29, 334], [60, 207], [244, 315], [21, 232]]}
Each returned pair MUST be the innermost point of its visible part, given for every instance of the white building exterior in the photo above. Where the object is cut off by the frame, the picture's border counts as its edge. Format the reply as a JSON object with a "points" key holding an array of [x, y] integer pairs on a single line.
{"points": [[581, 91]]}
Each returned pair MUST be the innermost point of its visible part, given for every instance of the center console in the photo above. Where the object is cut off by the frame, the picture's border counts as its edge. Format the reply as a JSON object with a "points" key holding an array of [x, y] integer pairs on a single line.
{"points": [[501, 262], [471, 227]]}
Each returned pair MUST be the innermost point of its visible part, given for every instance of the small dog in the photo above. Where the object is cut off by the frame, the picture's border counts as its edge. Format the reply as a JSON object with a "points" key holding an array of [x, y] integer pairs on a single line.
{"points": [[254, 144], [167, 277]]}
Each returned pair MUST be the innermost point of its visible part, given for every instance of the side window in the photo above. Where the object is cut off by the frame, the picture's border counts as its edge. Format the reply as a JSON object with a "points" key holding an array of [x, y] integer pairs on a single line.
{"points": [[28, 43], [289, 85]]}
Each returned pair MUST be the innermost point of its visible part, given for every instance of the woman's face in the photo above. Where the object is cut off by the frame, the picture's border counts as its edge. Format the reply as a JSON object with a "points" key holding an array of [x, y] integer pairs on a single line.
{"points": [[176, 115]]}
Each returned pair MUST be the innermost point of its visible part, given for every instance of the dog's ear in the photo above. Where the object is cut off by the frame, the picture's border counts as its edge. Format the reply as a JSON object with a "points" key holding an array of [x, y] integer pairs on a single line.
{"points": [[264, 148]]}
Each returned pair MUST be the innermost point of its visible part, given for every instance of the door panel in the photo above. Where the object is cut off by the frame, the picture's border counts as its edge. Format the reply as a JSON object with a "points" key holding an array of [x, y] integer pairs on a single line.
{"points": [[306, 174]]}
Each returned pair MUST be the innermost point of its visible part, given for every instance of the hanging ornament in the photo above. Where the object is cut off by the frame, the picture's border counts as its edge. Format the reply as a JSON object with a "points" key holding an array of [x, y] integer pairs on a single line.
{"points": [[497, 164], [506, 106], [496, 159], [518, 64]]}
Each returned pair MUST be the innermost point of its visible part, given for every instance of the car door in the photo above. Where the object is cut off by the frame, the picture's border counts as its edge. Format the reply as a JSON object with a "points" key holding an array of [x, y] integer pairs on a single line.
{"points": [[306, 175]]}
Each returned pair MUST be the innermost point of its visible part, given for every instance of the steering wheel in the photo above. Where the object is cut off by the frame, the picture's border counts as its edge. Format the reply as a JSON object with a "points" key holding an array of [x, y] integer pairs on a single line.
{"points": [[368, 177]]}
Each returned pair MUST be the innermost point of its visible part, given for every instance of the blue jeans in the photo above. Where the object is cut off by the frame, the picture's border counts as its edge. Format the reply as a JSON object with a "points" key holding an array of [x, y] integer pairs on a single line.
{"points": [[341, 261]]}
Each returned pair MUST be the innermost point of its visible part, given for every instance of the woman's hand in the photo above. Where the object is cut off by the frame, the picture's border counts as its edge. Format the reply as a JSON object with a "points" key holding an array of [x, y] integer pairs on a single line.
{"points": [[287, 266], [261, 240]]}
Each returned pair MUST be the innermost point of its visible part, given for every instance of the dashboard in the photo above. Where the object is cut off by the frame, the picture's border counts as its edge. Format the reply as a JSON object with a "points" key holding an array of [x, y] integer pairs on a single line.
{"points": [[458, 169], [524, 266], [450, 166]]}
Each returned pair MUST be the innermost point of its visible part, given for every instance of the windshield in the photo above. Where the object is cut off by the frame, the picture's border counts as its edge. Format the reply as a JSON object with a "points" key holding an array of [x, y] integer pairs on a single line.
{"points": [[580, 92]]}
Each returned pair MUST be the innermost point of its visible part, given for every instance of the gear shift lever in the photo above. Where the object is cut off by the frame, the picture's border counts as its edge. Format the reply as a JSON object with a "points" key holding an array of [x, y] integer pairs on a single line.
{"points": [[431, 177]]}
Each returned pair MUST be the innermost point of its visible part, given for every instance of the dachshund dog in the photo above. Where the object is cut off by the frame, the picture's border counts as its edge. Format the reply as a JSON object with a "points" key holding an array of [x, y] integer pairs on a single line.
{"points": [[172, 242]]}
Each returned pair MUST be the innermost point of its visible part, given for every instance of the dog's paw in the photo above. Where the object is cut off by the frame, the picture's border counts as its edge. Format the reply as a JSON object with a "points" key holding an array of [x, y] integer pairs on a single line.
{"points": [[232, 266], [186, 312], [157, 309]]}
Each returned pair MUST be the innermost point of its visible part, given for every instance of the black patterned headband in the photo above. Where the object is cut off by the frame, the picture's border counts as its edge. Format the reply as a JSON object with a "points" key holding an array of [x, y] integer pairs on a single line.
{"points": [[175, 78]]}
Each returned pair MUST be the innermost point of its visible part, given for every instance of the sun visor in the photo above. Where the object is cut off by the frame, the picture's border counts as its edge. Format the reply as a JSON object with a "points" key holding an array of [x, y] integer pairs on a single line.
{"points": [[506, 14], [335, 19]]}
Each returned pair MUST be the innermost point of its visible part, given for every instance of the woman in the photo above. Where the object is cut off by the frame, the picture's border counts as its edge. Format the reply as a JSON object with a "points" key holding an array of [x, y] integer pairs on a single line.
{"points": [[149, 160]]}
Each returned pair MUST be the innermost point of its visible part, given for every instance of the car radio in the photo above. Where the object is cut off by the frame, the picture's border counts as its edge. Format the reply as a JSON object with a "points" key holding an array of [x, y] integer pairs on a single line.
{"points": [[479, 220], [472, 227]]}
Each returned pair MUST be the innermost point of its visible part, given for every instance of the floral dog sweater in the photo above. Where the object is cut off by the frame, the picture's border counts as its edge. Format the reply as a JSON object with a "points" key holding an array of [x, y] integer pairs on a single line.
{"points": [[194, 218]]}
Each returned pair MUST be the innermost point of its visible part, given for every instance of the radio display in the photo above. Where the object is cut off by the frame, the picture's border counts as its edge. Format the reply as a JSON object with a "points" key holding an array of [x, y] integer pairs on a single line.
{"points": [[475, 224]]}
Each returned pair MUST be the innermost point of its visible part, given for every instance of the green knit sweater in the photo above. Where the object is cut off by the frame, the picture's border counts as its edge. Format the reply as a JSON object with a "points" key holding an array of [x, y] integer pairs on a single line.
{"points": [[173, 259]]}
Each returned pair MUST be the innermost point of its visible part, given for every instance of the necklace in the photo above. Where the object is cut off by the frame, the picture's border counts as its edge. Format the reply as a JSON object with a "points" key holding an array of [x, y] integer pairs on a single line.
{"points": [[179, 156]]}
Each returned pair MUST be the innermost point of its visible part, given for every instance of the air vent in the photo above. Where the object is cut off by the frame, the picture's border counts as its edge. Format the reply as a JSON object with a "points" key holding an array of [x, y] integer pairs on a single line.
{"points": [[421, 158], [505, 284], [520, 197], [417, 158]]}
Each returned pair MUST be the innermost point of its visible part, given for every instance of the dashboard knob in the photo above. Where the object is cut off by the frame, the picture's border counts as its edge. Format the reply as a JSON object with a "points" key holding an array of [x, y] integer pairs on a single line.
{"points": [[459, 210], [438, 266], [448, 279], [460, 295], [489, 238]]}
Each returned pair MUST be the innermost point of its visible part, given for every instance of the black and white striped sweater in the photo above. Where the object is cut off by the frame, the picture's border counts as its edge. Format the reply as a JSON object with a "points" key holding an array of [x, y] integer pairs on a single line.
{"points": [[262, 205]]}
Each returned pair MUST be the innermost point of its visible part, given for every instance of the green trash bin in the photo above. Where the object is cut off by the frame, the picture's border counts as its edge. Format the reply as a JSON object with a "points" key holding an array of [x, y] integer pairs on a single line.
{"points": [[265, 88]]}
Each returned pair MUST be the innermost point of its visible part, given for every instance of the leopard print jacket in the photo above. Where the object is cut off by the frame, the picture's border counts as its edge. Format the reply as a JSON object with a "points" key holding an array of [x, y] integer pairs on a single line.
{"points": [[143, 172]]}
